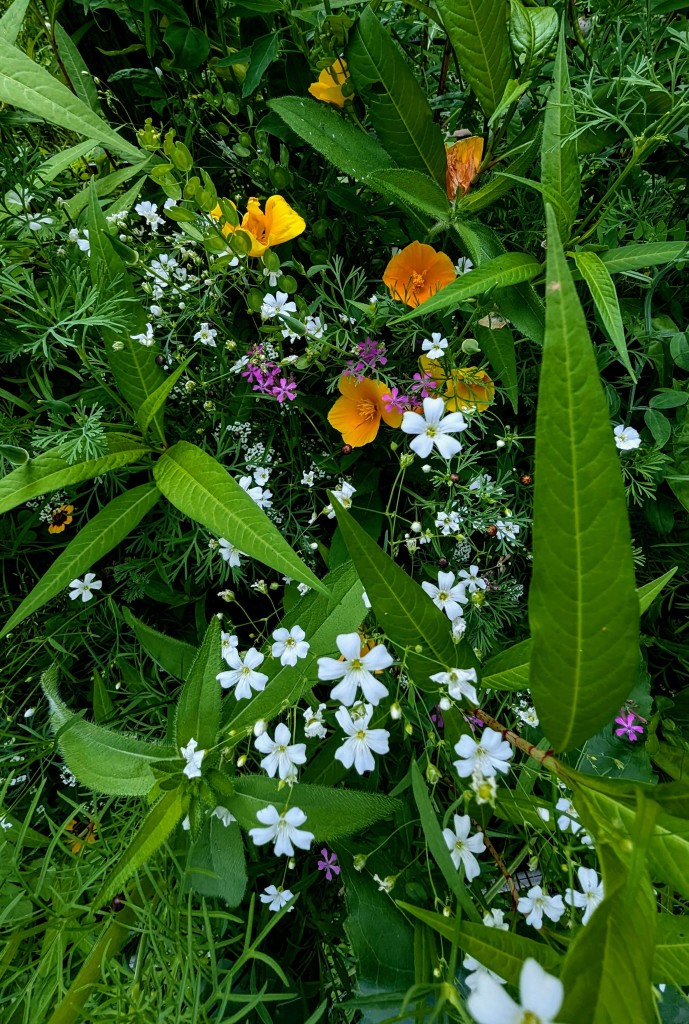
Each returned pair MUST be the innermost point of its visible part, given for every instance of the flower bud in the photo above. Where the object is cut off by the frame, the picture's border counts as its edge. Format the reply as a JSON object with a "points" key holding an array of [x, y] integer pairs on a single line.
{"points": [[499, 443], [470, 346], [360, 861], [260, 727], [241, 760], [291, 863], [415, 527], [447, 912], [409, 728], [433, 774], [445, 703], [425, 468], [395, 712]]}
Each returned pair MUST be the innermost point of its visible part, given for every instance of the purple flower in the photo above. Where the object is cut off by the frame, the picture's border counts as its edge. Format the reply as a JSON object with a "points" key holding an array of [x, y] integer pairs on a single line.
{"points": [[627, 727], [395, 402], [328, 864], [371, 354], [284, 390], [253, 374], [474, 722], [437, 717], [424, 384]]}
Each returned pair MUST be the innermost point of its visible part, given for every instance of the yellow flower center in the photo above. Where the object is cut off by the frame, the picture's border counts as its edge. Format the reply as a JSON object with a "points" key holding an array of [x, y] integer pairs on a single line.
{"points": [[431, 431], [361, 734], [366, 410], [443, 595], [528, 1017], [245, 671], [417, 280], [356, 664], [280, 749]]}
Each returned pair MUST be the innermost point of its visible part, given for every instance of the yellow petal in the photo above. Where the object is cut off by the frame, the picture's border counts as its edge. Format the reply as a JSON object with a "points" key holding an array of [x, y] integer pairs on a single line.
{"points": [[283, 223]]}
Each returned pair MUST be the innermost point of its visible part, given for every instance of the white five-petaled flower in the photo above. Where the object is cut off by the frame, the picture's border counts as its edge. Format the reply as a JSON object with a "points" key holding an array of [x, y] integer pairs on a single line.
{"points": [[281, 755], [243, 675], [283, 829], [193, 757], [490, 755], [355, 670], [344, 494], [274, 305], [149, 212], [569, 816], [83, 588], [448, 595], [229, 552], [290, 645], [435, 345], [357, 748], [223, 815], [472, 580], [507, 531], [626, 438], [228, 643], [462, 846], [536, 903], [276, 897], [261, 497], [591, 895], [458, 682], [313, 723], [540, 998], [206, 334], [434, 429]]}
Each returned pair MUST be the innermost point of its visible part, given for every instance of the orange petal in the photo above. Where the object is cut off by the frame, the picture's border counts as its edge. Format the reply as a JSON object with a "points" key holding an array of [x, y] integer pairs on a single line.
{"points": [[463, 161], [344, 416]]}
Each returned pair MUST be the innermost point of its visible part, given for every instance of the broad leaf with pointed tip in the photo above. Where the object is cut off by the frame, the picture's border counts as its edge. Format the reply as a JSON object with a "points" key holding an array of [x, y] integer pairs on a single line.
{"points": [[477, 30]]}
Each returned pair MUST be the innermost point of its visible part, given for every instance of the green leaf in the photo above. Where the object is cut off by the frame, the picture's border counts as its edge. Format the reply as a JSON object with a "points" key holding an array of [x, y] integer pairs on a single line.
{"points": [[532, 33], [12, 20], [14, 455], [583, 609], [190, 46], [406, 614], [501, 184], [509, 670], [671, 959], [28, 86], [200, 488], [217, 865], [648, 593], [198, 711], [559, 160], [103, 760], [604, 294], [105, 185], [101, 534], [174, 656], [639, 257], [103, 706], [508, 269], [79, 76], [411, 188], [154, 830], [477, 30], [498, 346], [263, 52], [330, 813], [50, 472], [438, 847], [396, 105], [348, 148], [659, 425], [152, 405]]}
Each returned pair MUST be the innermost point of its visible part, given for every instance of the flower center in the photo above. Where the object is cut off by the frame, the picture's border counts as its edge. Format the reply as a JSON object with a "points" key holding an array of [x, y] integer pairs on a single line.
{"points": [[443, 596], [366, 410], [361, 734], [431, 431], [459, 845], [290, 642], [417, 280], [245, 670], [528, 1017], [281, 749], [356, 665]]}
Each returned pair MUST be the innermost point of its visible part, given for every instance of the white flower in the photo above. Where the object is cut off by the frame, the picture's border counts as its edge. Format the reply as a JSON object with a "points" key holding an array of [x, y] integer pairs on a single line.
{"points": [[355, 670], [463, 265], [308, 479], [283, 829], [490, 755], [228, 643], [83, 588], [223, 815], [626, 438], [447, 522], [261, 497], [30, 712], [364, 598], [4, 823], [206, 334], [384, 884], [303, 588], [507, 531], [290, 645], [193, 757], [448, 595], [272, 275], [229, 552], [535, 904], [275, 897], [478, 971], [262, 475], [281, 755], [149, 212], [435, 346], [540, 998], [314, 326], [485, 789], [569, 816], [462, 846], [591, 895], [458, 628], [357, 749], [473, 581], [242, 674], [146, 337], [274, 305], [434, 429], [344, 494], [313, 723], [458, 682]]}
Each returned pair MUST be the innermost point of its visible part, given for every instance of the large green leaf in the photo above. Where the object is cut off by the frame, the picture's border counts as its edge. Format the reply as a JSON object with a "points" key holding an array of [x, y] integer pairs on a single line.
{"points": [[217, 863], [532, 33], [671, 960], [51, 472], [80, 80], [604, 294], [583, 607], [412, 188], [101, 534], [28, 86], [348, 148], [498, 347], [507, 269], [173, 655], [477, 30], [406, 614], [200, 488], [396, 105], [12, 20], [559, 161], [198, 711], [103, 760], [647, 254]]}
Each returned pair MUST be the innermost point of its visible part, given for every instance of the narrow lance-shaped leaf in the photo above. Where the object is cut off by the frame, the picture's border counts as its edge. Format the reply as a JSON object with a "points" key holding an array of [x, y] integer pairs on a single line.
{"points": [[200, 488], [198, 711], [101, 534], [583, 607], [639, 257], [12, 20], [173, 655], [559, 160], [477, 30], [80, 80], [602, 288], [498, 346]]}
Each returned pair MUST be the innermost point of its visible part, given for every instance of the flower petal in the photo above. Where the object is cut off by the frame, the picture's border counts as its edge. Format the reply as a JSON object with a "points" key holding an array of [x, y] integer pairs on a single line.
{"points": [[539, 991]]}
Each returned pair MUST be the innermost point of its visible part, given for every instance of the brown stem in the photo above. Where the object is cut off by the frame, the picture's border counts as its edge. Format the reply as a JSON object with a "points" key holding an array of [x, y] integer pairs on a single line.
{"points": [[544, 757], [514, 892]]}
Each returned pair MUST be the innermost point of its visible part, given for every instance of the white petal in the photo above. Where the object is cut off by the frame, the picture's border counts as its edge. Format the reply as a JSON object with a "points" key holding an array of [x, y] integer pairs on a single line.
{"points": [[331, 668], [363, 758], [349, 645], [377, 658], [412, 423], [282, 735], [433, 409], [540, 992], [490, 1004], [372, 690], [454, 422], [422, 445], [345, 691], [446, 445]]}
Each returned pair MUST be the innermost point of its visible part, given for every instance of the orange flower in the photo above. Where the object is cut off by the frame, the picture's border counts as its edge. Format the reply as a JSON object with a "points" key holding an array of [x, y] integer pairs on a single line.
{"points": [[359, 410], [60, 517], [328, 88], [278, 224], [418, 272], [82, 833], [463, 161], [465, 389]]}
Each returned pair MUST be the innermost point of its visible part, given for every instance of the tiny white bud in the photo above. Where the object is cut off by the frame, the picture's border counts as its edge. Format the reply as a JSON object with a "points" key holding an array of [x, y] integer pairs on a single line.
{"points": [[260, 727], [445, 703], [426, 468], [415, 527], [500, 443]]}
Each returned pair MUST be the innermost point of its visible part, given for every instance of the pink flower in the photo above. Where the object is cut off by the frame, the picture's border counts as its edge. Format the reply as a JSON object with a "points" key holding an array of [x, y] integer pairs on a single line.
{"points": [[395, 402], [424, 384], [628, 728], [284, 390], [328, 864]]}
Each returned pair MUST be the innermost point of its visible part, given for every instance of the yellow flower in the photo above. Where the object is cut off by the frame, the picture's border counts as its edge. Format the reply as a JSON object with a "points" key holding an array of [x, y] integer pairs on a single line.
{"points": [[60, 517], [417, 272], [359, 410], [328, 88], [465, 389], [278, 224]]}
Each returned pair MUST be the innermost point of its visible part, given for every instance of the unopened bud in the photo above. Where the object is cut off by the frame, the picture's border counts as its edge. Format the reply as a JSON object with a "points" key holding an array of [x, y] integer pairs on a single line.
{"points": [[433, 774], [395, 712], [360, 861], [499, 443], [447, 912], [426, 468], [445, 704], [415, 527], [241, 760], [260, 727], [470, 346], [409, 728]]}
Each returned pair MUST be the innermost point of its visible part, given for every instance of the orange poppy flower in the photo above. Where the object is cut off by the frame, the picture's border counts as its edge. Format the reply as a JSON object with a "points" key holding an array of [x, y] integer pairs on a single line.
{"points": [[465, 389], [328, 88], [463, 161], [359, 410], [418, 272], [60, 517], [278, 224]]}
